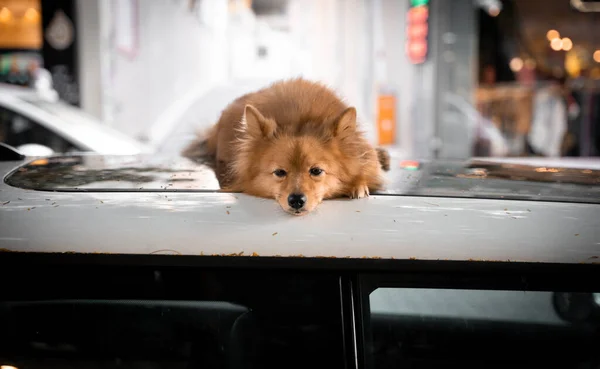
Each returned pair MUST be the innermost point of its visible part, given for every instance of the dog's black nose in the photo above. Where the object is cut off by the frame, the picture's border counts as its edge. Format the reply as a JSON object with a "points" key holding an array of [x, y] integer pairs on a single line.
{"points": [[296, 200]]}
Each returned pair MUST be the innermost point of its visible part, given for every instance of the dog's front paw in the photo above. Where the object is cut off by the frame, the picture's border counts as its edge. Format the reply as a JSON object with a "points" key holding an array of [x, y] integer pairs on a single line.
{"points": [[359, 192]]}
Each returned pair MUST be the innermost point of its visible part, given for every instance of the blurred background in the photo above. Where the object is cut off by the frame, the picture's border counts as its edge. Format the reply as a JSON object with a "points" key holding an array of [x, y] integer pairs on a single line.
{"points": [[430, 78]]}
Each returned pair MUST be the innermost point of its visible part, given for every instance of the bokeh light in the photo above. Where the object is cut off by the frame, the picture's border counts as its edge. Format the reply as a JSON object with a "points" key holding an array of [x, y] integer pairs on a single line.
{"points": [[516, 64], [552, 34], [556, 44]]}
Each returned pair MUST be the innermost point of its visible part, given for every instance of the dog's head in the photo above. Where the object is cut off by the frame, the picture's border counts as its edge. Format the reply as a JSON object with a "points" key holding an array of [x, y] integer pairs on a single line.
{"points": [[297, 166]]}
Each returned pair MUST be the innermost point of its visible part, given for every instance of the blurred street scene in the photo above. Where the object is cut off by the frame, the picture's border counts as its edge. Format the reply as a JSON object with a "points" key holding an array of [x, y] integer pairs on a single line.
{"points": [[430, 79]]}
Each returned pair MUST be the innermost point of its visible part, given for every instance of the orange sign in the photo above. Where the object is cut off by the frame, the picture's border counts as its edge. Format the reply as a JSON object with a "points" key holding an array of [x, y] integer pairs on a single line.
{"points": [[20, 24], [386, 119]]}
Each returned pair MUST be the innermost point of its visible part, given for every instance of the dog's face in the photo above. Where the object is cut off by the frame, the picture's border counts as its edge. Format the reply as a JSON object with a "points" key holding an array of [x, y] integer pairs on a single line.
{"points": [[298, 171]]}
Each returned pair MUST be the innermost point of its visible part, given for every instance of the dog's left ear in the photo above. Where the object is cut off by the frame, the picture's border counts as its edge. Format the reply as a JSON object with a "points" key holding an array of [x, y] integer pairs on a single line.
{"points": [[256, 124], [345, 123]]}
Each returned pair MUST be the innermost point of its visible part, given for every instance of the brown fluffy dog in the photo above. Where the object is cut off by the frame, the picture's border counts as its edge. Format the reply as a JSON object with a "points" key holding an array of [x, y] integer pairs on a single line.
{"points": [[294, 141]]}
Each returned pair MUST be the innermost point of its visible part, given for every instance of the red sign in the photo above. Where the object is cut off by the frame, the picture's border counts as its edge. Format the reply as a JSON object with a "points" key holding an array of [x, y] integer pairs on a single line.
{"points": [[416, 32]]}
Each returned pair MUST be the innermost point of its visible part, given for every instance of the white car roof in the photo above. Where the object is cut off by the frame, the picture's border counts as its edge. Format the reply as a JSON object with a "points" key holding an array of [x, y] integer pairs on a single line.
{"points": [[157, 220]]}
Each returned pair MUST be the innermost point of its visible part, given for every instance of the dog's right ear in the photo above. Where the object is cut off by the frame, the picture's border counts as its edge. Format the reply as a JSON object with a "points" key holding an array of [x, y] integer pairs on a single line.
{"points": [[256, 124]]}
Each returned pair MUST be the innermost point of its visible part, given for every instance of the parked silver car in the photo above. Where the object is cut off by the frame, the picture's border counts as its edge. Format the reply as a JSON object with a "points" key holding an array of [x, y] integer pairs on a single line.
{"points": [[37, 124]]}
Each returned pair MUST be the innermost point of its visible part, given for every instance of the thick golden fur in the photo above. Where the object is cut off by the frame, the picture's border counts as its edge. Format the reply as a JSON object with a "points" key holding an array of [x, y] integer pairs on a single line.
{"points": [[293, 137]]}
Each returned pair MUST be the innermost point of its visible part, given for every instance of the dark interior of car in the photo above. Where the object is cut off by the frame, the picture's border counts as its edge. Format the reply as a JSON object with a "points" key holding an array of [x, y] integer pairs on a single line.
{"points": [[169, 318]]}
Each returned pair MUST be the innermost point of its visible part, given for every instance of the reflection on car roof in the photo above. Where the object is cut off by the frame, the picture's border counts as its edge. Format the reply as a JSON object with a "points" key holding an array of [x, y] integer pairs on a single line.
{"points": [[479, 178]]}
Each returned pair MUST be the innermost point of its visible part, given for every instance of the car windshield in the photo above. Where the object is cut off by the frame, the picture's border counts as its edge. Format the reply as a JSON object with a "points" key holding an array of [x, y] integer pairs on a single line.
{"points": [[81, 127], [65, 112]]}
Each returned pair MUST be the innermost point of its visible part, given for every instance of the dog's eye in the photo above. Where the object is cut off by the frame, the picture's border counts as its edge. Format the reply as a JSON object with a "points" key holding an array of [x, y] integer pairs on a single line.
{"points": [[316, 171], [280, 173]]}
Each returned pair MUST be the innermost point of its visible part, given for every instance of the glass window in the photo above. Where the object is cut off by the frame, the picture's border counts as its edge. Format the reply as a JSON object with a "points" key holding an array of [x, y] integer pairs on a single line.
{"points": [[92, 317], [432, 328]]}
